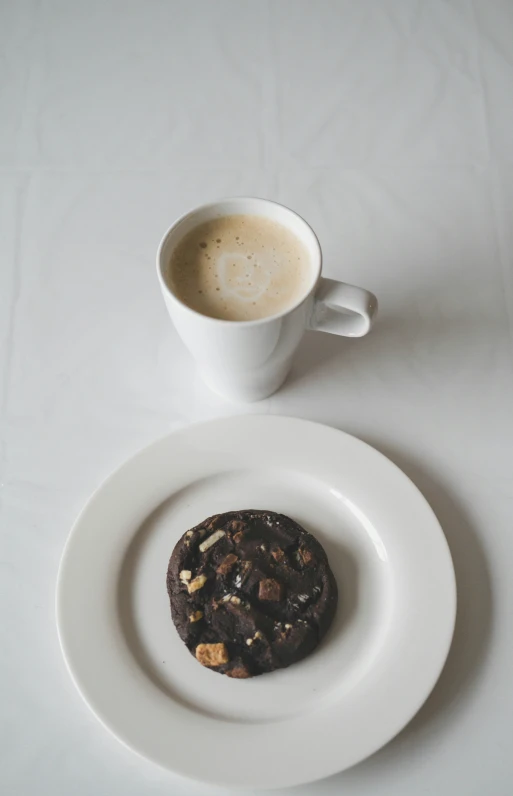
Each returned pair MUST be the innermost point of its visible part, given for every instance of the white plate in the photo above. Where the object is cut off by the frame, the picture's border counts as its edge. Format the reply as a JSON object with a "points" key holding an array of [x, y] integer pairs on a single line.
{"points": [[373, 671]]}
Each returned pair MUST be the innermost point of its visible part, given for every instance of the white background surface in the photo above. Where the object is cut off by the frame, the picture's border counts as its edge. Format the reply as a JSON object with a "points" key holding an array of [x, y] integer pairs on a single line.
{"points": [[389, 126]]}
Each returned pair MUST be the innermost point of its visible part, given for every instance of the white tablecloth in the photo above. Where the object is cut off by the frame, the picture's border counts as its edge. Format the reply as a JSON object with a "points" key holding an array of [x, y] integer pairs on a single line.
{"points": [[389, 126]]}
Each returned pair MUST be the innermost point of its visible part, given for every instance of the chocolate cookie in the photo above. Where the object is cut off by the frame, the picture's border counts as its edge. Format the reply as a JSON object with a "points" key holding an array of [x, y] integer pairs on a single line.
{"points": [[250, 592]]}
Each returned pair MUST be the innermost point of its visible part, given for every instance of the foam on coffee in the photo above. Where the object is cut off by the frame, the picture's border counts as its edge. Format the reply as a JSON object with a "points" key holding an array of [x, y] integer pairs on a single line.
{"points": [[240, 268]]}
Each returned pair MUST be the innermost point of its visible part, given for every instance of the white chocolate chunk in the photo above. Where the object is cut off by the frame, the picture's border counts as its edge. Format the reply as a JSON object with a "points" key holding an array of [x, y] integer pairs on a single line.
{"points": [[185, 574], [197, 583], [212, 654], [211, 540], [230, 598], [196, 616], [249, 642]]}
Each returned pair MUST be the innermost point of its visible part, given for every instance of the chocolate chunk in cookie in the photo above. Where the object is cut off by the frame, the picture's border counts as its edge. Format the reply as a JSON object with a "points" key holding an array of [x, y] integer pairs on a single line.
{"points": [[270, 589], [227, 564]]}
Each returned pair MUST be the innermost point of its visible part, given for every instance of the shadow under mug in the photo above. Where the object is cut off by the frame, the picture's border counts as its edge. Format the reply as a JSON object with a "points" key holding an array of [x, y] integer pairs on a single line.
{"points": [[249, 360]]}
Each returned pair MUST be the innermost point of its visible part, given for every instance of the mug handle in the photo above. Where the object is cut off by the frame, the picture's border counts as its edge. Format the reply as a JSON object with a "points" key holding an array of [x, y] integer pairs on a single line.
{"points": [[342, 309]]}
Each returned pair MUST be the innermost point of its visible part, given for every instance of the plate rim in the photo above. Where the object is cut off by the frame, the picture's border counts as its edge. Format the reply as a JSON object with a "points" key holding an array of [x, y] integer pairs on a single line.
{"points": [[451, 587]]}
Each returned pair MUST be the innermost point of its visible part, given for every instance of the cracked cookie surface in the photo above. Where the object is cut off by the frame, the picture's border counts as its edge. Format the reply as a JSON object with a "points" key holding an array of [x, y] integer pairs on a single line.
{"points": [[250, 592]]}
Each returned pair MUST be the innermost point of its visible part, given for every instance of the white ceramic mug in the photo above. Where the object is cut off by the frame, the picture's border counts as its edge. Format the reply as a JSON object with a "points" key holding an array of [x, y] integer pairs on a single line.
{"points": [[249, 360]]}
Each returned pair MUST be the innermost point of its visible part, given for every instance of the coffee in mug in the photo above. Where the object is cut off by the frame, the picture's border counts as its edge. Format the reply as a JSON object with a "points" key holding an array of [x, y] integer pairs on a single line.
{"points": [[240, 268]]}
